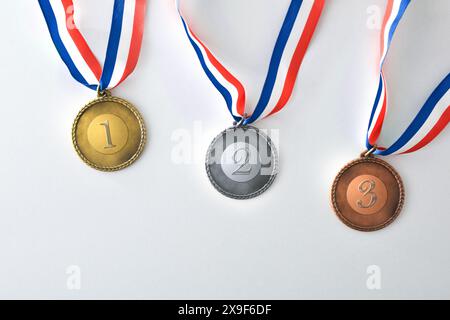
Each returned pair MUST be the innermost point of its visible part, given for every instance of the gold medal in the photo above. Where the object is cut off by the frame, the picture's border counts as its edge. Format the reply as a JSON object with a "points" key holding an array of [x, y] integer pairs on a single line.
{"points": [[367, 194], [109, 133]]}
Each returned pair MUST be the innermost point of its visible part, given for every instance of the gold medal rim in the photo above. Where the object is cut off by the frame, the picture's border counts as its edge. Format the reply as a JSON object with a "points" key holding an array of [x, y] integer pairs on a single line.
{"points": [[368, 159], [138, 116]]}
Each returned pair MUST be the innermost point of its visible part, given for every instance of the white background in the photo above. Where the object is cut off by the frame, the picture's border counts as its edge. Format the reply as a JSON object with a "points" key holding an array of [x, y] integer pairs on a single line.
{"points": [[159, 229]]}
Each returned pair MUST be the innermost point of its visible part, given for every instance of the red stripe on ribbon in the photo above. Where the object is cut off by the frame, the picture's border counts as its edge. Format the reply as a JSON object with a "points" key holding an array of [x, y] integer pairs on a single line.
{"points": [[240, 104], [299, 54], [375, 134], [79, 40], [389, 7], [136, 39], [434, 132]]}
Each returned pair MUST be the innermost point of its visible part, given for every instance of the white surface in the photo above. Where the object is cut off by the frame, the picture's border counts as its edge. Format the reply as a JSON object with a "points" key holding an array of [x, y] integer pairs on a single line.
{"points": [[158, 229]]}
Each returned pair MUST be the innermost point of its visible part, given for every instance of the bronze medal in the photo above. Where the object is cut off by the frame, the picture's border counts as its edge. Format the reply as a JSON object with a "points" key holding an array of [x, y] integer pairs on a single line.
{"points": [[109, 133], [367, 194]]}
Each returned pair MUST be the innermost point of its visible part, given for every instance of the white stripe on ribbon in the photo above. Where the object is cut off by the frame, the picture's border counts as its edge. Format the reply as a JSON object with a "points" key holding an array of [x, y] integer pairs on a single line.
{"points": [[380, 105], [429, 124], [224, 82], [394, 13], [288, 54], [124, 44], [71, 48], [295, 35], [386, 40]]}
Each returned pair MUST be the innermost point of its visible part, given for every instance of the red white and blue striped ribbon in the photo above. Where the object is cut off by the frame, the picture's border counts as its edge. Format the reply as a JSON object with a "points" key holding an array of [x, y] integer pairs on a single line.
{"points": [[123, 49], [432, 118], [290, 48]]}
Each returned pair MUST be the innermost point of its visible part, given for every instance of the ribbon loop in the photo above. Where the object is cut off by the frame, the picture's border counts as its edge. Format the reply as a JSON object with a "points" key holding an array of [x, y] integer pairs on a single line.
{"points": [[290, 48], [432, 118], [123, 49]]}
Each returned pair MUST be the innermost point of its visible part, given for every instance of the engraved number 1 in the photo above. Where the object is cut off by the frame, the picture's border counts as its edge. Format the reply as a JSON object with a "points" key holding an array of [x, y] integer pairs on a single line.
{"points": [[109, 143], [366, 187]]}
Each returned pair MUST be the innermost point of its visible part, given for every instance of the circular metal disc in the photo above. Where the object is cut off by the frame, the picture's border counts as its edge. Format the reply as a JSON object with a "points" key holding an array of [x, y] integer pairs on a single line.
{"points": [[242, 162], [367, 194], [109, 133]]}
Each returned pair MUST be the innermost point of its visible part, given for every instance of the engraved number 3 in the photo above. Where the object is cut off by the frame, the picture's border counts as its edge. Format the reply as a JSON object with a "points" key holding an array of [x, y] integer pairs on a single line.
{"points": [[366, 187], [109, 143]]}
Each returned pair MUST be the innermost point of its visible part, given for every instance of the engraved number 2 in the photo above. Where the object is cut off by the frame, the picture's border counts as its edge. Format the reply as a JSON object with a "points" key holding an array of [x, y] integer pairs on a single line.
{"points": [[242, 161], [109, 143], [366, 187]]}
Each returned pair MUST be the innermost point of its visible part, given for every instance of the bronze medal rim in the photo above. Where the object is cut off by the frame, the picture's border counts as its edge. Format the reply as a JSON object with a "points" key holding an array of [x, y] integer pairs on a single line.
{"points": [[124, 103], [368, 159]]}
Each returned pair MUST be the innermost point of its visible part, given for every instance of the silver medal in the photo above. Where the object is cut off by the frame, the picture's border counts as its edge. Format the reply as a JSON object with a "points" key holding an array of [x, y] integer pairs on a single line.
{"points": [[242, 162]]}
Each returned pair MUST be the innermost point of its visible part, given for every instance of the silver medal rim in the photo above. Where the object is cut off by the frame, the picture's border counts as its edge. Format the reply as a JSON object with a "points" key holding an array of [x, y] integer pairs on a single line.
{"points": [[274, 174]]}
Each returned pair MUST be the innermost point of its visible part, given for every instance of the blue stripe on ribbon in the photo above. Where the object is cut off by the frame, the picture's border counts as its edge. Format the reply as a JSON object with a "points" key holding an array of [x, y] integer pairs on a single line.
{"points": [[225, 93], [377, 100], [420, 119], [402, 8], [403, 5], [277, 55], [113, 44], [65, 56]]}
